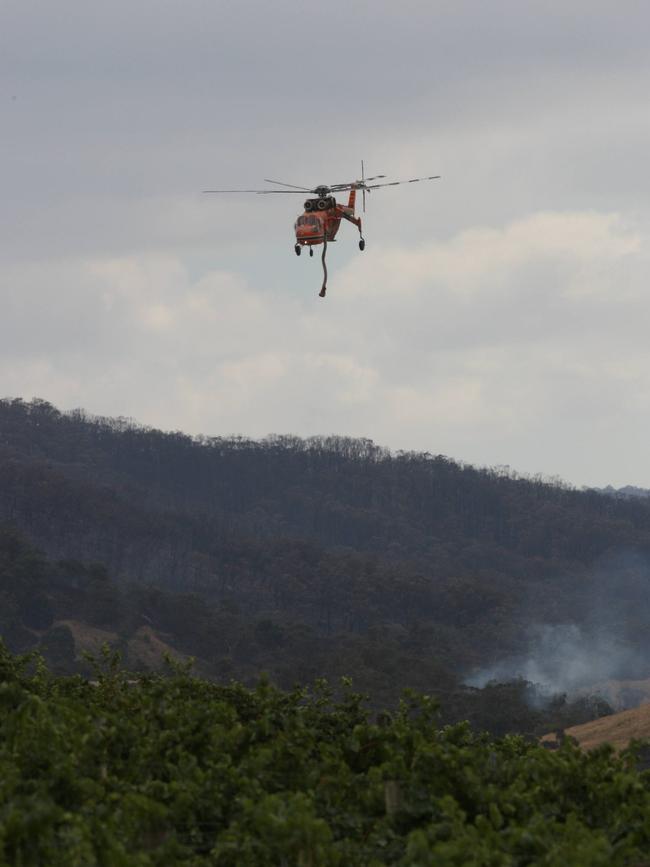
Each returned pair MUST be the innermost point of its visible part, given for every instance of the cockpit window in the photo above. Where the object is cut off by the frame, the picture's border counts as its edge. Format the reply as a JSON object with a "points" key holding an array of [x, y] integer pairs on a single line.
{"points": [[307, 220]]}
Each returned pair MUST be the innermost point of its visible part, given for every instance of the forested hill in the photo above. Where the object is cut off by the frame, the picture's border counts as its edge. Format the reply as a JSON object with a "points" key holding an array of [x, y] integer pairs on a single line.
{"points": [[333, 533]]}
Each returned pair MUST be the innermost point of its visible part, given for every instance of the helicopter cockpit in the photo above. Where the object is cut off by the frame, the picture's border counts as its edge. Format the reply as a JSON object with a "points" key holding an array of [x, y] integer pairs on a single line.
{"points": [[307, 220]]}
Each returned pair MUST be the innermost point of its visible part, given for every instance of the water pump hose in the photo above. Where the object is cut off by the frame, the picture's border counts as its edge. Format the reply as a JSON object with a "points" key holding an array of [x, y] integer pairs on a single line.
{"points": [[324, 286]]}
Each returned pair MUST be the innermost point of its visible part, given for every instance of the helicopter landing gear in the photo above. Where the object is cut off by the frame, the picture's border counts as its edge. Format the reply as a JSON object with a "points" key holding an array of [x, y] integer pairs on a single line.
{"points": [[362, 245], [298, 249], [311, 251]]}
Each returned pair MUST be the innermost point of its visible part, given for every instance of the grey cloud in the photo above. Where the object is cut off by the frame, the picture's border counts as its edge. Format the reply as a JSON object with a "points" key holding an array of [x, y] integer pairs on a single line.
{"points": [[125, 291]]}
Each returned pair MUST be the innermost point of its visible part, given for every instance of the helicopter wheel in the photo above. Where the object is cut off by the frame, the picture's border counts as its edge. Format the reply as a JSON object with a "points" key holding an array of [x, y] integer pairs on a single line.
{"points": [[298, 249], [311, 251], [362, 244]]}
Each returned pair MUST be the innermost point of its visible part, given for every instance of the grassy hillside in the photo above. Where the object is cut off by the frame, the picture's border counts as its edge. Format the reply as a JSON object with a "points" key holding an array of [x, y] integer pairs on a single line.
{"points": [[618, 730]]}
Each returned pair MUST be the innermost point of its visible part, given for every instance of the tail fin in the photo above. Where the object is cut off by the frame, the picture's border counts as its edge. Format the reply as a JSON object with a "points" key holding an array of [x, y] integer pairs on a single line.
{"points": [[352, 199]]}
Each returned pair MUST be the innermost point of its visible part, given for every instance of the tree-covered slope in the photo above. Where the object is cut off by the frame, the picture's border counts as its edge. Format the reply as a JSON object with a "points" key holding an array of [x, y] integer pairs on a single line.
{"points": [[438, 559], [331, 490], [66, 609]]}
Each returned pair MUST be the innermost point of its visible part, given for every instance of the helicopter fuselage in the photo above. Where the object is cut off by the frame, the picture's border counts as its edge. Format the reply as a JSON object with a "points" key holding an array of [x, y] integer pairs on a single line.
{"points": [[321, 219]]}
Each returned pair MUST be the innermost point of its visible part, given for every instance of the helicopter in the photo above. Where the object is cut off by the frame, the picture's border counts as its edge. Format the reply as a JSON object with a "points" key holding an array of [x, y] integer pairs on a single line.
{"points": [[320, 221]]}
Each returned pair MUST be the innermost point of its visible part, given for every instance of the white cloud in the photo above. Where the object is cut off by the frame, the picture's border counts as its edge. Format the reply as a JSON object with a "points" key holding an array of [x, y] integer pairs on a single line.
{"points": [[516, 345]]}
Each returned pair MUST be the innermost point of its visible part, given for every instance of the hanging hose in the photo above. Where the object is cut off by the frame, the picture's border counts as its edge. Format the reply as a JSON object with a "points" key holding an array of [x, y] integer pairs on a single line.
{"points": [[324, 286]]}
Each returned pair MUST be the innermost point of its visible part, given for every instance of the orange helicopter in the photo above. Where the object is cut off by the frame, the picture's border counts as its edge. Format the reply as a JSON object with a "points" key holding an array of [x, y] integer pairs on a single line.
{"points": [[320, 221]]}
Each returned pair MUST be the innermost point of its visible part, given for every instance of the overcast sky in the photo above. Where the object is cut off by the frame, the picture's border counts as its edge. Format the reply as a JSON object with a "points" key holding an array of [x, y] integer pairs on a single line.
{"points": [[499, 315]]}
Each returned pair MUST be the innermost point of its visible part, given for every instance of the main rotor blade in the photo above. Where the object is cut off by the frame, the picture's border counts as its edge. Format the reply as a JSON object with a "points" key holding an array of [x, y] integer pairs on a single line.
{"points": [[259, 192], [334, 188], [282, 184], [233, 191], [354, 184], [396, 183]]}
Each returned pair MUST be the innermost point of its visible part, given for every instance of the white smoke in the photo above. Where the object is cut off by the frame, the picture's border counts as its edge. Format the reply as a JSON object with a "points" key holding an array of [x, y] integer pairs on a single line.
{"points": [[563, 658]]}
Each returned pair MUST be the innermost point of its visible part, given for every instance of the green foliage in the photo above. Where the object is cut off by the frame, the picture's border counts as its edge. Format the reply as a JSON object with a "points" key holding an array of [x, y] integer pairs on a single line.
{"points": [[172, 769]]}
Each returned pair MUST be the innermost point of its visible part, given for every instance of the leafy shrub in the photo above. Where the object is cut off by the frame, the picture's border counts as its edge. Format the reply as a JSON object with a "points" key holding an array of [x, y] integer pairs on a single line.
{"points": [[176, 770]]}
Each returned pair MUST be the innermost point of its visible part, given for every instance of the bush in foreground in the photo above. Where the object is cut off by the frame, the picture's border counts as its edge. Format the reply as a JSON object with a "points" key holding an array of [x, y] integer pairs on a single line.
{"points": [[176, 770]]}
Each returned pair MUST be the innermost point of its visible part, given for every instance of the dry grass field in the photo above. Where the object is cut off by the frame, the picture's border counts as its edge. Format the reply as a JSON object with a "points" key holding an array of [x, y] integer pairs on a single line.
{"points": [[617, 729]]}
